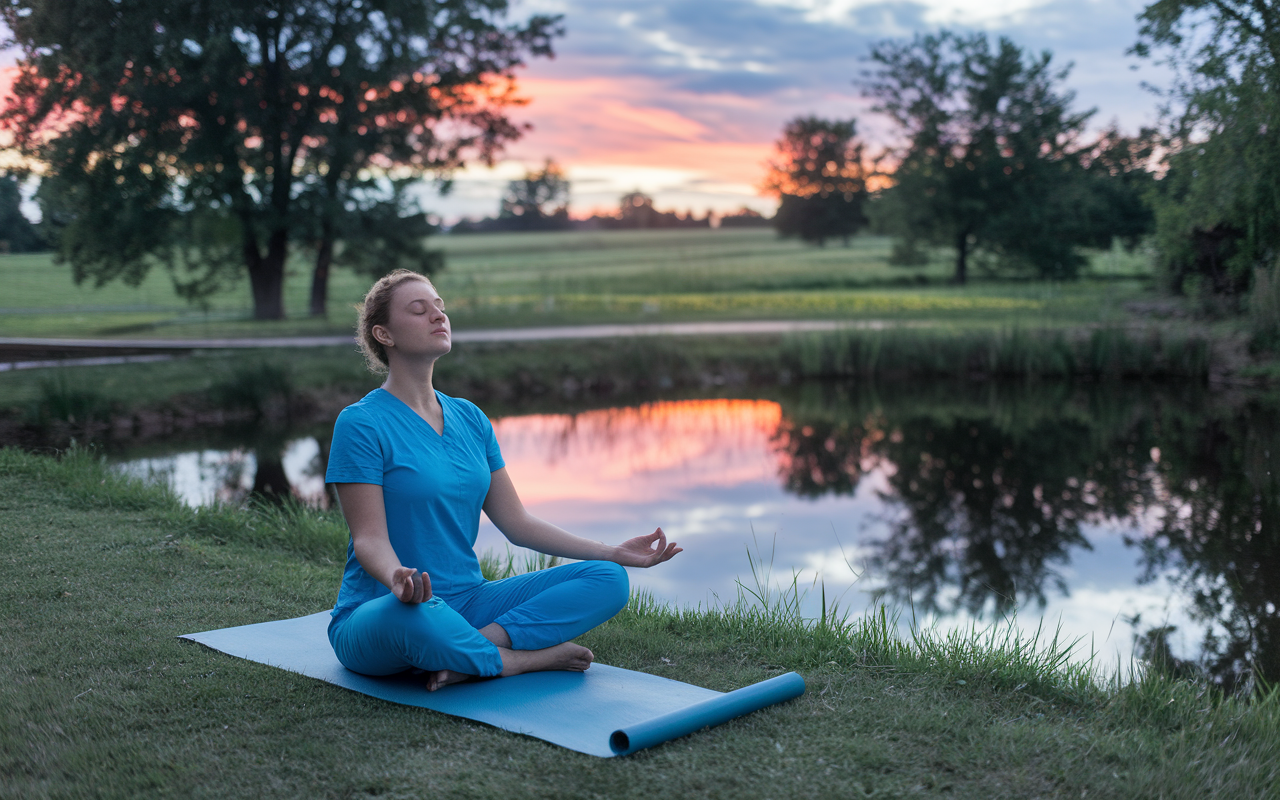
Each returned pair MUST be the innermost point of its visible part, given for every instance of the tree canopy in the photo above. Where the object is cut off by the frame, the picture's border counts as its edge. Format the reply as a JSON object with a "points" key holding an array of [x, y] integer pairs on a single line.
{"points": [[993, 160], [819, 179], [209, 136], [1218, 211]]}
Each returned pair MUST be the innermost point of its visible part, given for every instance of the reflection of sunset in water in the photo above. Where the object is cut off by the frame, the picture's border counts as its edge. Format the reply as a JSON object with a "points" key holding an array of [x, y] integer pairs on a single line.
{"points": [[724, 477], [639, 454]]}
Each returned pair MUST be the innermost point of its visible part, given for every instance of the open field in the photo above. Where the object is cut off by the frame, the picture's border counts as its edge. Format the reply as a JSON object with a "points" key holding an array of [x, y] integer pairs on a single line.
{"points": [[564, 278], [101, 700]]}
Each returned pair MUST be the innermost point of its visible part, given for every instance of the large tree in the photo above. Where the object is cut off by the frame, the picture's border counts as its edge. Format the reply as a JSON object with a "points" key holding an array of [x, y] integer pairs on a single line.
{"points": [[1218, 211], [992, 159], [819, 179], [207, 136]]}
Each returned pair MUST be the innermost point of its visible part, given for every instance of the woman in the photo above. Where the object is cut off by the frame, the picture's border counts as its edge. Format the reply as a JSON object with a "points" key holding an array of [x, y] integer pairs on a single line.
{"points": [[413, 469]]}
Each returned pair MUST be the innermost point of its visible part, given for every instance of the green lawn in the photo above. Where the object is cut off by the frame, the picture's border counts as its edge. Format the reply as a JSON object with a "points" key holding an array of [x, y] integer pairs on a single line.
{"points": [[101, 700], [567, 278]]}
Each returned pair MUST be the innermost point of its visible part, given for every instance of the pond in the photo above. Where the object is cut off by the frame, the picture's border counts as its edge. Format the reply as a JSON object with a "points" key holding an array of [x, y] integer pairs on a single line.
{"points": [[1135, 518]]}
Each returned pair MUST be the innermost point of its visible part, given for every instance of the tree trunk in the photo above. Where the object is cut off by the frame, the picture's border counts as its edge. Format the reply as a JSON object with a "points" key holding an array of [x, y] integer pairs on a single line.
{"points": [[270, 482], [266, 276], [320, 277], [962, 257]]}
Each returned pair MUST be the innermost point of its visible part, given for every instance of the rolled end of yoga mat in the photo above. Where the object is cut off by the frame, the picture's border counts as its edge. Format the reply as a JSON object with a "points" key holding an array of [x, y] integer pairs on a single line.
{"points": [[706, 714]]}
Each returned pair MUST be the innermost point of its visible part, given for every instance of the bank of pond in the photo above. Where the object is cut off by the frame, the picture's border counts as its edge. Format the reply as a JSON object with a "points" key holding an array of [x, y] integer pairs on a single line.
{"points": [[1140, 516]]}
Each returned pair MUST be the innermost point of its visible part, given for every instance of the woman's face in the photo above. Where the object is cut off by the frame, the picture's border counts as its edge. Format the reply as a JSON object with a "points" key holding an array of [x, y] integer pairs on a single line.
{"points": [[417, 326]]}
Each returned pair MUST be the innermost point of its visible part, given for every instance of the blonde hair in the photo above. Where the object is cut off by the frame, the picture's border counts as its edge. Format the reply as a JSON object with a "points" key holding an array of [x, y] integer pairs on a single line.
{"points": [[375, 309]]}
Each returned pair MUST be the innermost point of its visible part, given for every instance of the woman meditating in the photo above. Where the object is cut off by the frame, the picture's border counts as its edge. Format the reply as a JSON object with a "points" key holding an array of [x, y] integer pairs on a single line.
{"points": [[413, 469]]}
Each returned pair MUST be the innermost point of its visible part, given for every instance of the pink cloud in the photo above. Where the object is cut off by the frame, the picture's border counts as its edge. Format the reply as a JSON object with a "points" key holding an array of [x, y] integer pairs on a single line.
{"points": [[610, 121]]}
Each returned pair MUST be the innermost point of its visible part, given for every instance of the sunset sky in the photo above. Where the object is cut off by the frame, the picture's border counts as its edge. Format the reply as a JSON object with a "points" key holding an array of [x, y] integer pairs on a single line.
{"points": [[684, 99]]}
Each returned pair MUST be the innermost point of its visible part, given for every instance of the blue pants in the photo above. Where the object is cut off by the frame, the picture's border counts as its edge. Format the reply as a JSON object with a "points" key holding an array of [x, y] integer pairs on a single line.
{"points": [[538, 609]]}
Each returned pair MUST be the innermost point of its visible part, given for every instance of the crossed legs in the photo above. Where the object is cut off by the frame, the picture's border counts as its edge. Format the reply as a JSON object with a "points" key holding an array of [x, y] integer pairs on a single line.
{"points": [[507, 627]]}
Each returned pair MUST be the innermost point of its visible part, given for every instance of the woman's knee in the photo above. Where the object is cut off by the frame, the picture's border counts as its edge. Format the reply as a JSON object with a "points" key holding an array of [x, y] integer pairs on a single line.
{"points": [[382, 637], [615, 586]]}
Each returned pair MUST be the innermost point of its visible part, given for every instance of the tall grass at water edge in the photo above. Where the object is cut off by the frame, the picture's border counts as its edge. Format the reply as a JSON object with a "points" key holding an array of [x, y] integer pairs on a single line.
{"points": [[1102, 353]]}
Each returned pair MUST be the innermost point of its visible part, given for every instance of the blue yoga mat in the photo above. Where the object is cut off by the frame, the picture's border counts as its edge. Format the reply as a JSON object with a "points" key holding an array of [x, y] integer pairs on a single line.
{"points": [[605, 711]]}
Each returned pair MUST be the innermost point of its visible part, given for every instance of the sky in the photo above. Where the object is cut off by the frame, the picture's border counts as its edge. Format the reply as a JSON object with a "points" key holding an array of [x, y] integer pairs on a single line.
{"points": [[683, 100]]}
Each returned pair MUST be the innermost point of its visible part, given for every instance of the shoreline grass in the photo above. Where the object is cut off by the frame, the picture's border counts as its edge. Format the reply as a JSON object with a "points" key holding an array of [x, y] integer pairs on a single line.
{"points": [[101, 699]]}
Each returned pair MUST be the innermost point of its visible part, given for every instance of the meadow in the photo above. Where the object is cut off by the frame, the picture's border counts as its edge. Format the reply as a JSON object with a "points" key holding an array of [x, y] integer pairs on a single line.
{"points": [[102, 700], [502, 280]]}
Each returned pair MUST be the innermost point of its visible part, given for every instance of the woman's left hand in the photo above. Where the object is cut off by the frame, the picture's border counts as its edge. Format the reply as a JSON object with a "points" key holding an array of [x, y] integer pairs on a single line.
{"points": [[646, 551]]}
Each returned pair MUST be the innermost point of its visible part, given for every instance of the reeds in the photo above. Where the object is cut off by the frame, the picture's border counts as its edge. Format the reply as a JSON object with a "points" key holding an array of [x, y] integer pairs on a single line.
{"points": [[1102, 353], [73, 402], [495, 567], [768, 619], [288, 525]]}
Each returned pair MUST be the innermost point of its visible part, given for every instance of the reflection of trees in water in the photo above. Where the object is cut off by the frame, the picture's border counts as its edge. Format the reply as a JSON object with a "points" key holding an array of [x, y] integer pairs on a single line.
{"points": [[824, 456], [1220, 533], [987, 512], [320, 466], [992, 492], [270, 481], [228, 474]]}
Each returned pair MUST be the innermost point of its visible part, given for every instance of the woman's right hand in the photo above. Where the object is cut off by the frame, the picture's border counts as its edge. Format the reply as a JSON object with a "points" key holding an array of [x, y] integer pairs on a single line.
{"points": [[410, 586]]}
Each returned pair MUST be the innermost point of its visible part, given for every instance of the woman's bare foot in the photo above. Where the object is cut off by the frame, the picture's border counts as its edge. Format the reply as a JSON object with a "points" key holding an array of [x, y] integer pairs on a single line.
{"points": [[567, 656], [437, 680]]}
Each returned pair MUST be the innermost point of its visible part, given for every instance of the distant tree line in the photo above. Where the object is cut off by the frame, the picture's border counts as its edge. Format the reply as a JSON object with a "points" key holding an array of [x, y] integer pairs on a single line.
{"points": [[540, 202]]}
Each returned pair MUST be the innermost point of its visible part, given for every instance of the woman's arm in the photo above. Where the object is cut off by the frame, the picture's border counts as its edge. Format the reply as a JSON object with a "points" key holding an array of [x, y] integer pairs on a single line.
{"points": [[504, 509], [367, 518]]}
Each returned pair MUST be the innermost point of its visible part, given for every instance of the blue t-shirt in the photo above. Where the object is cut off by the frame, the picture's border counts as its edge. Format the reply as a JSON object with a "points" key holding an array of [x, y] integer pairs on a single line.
{"points": [[433, 486]]}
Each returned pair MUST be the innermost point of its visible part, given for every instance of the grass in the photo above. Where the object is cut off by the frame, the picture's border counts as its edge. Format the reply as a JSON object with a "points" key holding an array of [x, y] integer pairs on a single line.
{"points": [[101, 700], [505, 280]]}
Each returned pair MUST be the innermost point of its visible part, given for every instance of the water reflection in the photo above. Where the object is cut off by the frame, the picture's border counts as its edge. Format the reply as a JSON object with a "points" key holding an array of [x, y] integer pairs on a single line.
{"points": [[271, 471], [1114, 512], [1219, 534]]}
